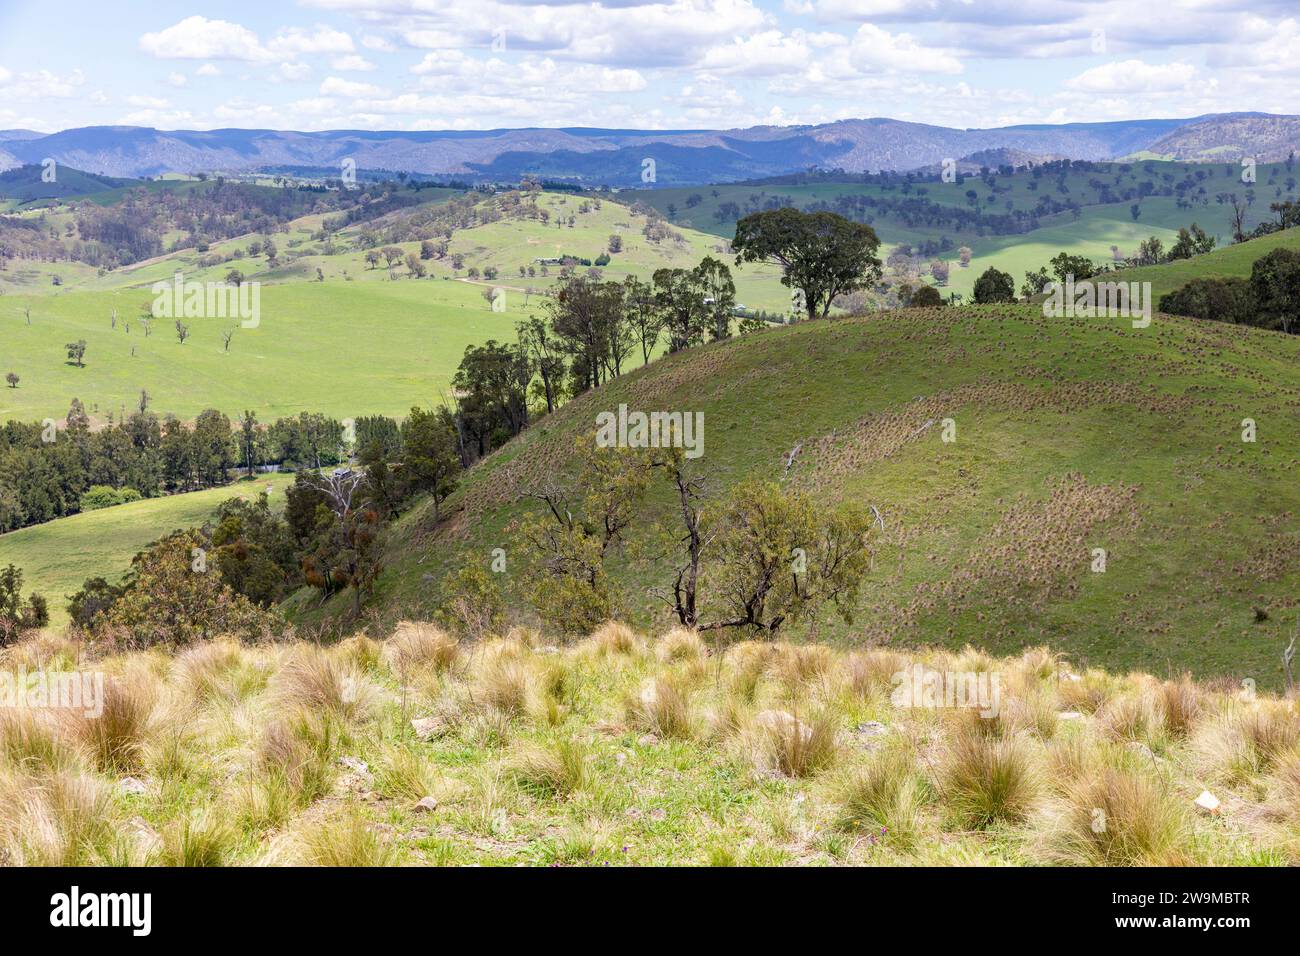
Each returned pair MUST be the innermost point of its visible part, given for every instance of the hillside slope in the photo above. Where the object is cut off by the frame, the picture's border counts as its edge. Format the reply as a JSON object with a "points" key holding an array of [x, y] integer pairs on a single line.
{"points": [[1071, 435], [1229, 261]]}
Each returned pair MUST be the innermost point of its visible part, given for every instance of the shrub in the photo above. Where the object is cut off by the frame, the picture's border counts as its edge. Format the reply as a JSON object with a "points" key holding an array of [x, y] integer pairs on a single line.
{"points": [[994, 286], [1223, 300], [926, 297], [102, 496], [473, 605]]}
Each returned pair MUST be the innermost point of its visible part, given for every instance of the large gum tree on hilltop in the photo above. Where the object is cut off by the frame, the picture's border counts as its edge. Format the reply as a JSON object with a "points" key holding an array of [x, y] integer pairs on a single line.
{"points": [[820, 253]]}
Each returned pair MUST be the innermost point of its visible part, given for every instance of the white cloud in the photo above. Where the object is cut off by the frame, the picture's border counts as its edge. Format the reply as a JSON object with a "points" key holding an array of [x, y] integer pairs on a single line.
{"points": [[1133, 76], [336, 86], [295, 71], [379, 44], [874, 50], [41, 85], [198, 38], [352, 63], [208, 69], [297, 41]]}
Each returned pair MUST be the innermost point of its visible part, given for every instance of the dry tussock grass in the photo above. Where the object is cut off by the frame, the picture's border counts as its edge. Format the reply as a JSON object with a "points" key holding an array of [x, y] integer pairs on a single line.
{"points": [[243, 754]]}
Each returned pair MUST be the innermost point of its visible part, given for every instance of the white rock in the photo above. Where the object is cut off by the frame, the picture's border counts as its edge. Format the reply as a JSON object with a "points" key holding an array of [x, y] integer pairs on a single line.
{"points": [[1070, 715], [1208, 802], [132, 785]]}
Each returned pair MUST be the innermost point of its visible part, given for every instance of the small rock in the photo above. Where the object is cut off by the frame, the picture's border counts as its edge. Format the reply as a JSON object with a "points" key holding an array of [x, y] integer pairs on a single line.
{"points": [[354, 763], [658, 813], [426, 728], [871, 728], [425, 805], [632, 813], [548, 649], [647, 740], [1145, 752], [620, 758], [370, 796], [1208, 803], [1070, 715], [132, 786]]}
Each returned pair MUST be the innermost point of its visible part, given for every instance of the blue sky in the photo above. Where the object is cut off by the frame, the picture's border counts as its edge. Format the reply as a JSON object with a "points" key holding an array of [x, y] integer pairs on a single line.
{"points": [[474, 64]]}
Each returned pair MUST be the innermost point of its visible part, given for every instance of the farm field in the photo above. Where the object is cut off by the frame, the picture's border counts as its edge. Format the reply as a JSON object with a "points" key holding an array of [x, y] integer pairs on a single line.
{"points": [[58, 556], [320, 344]]}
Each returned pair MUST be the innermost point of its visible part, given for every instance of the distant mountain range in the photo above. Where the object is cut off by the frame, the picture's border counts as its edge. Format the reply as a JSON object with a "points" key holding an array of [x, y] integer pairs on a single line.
{"points": [[618, 157]]}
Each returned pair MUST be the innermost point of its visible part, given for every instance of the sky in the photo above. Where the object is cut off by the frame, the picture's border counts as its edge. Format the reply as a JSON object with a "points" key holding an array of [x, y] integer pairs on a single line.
{"points": [[651, 64]]}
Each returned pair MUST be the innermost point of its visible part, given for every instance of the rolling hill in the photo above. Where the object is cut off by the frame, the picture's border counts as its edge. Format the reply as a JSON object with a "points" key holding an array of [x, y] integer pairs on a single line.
{"points": [[1071, 435], [614, 156]]}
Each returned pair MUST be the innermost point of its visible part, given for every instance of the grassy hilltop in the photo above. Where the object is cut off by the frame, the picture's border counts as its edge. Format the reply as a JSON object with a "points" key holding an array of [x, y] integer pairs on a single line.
{"points": [[1071, 435]]}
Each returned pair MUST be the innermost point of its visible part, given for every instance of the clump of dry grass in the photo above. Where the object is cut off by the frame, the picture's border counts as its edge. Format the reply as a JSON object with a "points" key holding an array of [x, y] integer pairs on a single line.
{"points": [[1117, 817], [778, 741], [985, 780], [504, 682], [662, 707], [1033, 711], [555, 770], [202, 670], [1285, 783], [1246, 740], [799, 666], [870, 673], [360, 651], [1180, 705], [745, 664], [300, 749], [418, 647], [204, 838], [1085, 692], [313, 680], [1038, 664], [344, 840], [44, 651], [885, 796], [115, 737], [28, 740], [613, 639], [1133, 717], [406, 773], [63, 818], [680, 644]]}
